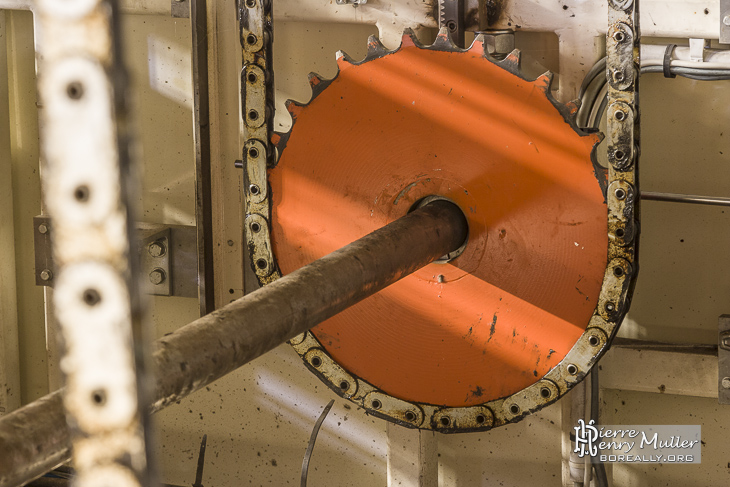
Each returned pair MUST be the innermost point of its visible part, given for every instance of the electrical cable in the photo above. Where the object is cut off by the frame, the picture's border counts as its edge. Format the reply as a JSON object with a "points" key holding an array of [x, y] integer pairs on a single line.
{"points": [[595, 85]]}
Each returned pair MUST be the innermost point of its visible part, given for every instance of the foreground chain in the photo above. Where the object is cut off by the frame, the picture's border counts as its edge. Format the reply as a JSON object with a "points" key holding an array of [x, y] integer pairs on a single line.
{"points": [[87, 180], [34, 439]]}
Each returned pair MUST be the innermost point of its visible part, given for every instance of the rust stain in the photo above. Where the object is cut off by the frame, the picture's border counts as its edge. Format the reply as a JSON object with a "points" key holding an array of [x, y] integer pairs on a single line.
{"points": [[492, 328]]}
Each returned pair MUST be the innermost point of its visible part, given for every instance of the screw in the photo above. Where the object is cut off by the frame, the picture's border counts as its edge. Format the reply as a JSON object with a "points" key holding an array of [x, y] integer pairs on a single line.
{"points": [[157, 277], [618, 76], [726, 20], [441, 278], [46, 275], [156, 249], [726, 382], [43, 228]]}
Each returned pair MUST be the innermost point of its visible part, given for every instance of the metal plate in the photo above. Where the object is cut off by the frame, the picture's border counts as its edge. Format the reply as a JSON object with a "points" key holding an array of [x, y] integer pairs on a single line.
{"points": [[501, 330]]}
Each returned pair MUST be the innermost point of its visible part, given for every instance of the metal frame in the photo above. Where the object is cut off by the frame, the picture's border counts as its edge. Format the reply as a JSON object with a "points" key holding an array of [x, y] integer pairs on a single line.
{"points": [[201, 134]]}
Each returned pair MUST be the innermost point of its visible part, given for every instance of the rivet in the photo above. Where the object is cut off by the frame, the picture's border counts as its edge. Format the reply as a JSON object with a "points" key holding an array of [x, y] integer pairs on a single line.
{"points": [[46, 275]]}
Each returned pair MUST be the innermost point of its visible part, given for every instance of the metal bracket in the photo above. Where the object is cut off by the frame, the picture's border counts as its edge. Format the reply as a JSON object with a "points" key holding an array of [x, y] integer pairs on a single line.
{"points": [[155, 253], [44, 266], [723, 360], [724, 21], [180, 9], [168, 257], [697, 49], [451, 16]]}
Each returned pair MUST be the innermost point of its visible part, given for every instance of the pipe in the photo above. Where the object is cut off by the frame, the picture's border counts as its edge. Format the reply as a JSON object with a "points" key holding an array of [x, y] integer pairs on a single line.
{"points": [[35, 439], [685, 198]]}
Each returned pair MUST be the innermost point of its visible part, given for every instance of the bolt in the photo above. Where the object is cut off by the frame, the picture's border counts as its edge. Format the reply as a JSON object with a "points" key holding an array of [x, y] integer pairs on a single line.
{"points": [[726, 342], [43, 228], [46, 275], [441, 278], [156, 249], [726, 382], [726, 20], [157, 277]]}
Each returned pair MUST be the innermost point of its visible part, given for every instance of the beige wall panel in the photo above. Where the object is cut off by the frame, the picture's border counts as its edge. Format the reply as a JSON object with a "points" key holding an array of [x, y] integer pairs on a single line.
{"points": [[523, 454], [624, 407]]}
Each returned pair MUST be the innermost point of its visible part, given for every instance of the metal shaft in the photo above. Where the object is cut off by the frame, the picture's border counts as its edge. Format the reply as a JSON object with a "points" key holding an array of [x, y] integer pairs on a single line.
{"points": [[34, 439], [685, 198]]}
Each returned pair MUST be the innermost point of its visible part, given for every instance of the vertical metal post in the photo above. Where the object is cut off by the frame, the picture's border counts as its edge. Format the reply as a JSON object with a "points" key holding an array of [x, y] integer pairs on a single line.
{"points": [[201, 132], [89, 184], [9, 366]]}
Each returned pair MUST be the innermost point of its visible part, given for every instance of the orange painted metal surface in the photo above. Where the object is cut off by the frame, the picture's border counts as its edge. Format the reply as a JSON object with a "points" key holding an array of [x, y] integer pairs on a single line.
{"points": [[419, 122]]}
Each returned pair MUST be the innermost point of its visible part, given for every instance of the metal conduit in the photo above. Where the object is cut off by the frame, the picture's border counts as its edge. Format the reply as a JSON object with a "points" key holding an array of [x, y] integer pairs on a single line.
{"points": [[34, 439]]}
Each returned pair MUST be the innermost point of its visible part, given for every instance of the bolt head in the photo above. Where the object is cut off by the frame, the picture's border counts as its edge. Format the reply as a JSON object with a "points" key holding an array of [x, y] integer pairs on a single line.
{"points": [[441, 278], [156, 249], [46, 275], [726, 342], [726, 382], [726, 20], [157, 277], [43, 228]]}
